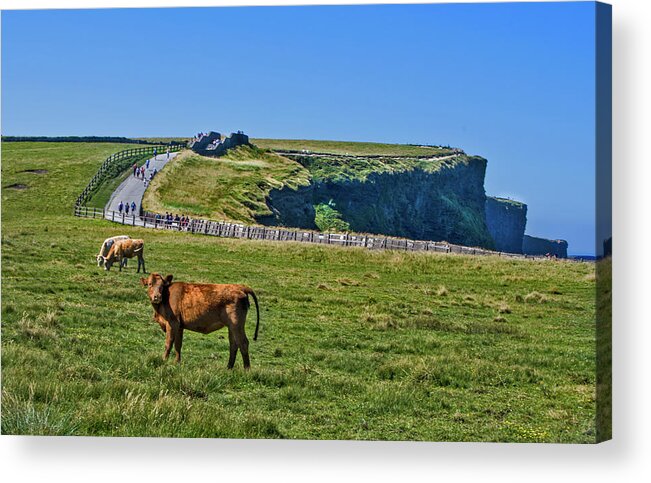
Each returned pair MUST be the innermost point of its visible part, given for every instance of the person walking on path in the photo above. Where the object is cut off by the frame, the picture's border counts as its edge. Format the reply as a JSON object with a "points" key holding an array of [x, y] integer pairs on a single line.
{"points": [[147, 163], [135, 169], [121, 207], [168, 152], [133, 207], [142, 172], [126, 209], [154, 153]]}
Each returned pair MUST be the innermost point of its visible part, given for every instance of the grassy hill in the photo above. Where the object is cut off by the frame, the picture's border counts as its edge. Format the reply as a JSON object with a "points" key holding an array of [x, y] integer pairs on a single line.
{"points": [[231, 187], [353, 344]]}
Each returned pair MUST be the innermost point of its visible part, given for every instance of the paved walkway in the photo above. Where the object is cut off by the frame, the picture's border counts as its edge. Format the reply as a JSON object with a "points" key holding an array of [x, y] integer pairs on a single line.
{"points": [[132, 188]]}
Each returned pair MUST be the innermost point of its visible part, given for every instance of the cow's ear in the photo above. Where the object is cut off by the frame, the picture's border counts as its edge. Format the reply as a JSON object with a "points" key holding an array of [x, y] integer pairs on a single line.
{"points": [[168, 279], [143, 282]]}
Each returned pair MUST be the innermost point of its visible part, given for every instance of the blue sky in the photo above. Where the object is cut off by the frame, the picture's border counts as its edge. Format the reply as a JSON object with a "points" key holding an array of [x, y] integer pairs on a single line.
{"points": [[512, 82]]}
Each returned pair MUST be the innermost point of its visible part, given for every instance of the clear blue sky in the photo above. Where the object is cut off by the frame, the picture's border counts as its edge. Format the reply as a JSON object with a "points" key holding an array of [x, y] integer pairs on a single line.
{"points": [[512, 82]]}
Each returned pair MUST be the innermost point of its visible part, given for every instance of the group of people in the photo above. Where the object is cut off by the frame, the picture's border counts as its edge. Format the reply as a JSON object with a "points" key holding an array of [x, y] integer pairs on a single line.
{"points": [[139, 172], [169, 220], [126, 207]]}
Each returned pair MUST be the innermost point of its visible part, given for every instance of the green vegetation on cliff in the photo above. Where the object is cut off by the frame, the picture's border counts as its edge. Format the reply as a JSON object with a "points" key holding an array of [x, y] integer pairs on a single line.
{"points": [[414, 198], [339, 169], [327, 218]]}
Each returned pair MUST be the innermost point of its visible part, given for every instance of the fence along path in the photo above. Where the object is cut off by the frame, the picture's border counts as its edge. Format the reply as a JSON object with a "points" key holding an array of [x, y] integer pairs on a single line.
{"points": [[280, 234], [115, 159]]}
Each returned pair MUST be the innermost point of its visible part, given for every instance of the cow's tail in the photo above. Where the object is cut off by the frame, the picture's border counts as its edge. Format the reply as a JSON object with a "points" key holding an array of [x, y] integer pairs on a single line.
{"points": [[257, 311]]}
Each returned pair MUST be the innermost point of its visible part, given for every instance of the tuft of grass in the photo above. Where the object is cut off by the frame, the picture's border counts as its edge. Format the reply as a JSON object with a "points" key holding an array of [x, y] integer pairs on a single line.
{"points": [[348, 282], [503, 308], [535, 297], [441, 291]]}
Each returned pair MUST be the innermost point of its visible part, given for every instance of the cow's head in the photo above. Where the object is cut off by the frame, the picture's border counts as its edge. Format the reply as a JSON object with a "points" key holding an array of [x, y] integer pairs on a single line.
{"points": [[108, 262], [100, 260], [156, 286]]}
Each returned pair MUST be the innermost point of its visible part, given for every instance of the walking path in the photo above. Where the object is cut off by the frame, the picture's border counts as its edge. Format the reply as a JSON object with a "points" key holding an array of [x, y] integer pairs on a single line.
{"points": [[133, 188]]}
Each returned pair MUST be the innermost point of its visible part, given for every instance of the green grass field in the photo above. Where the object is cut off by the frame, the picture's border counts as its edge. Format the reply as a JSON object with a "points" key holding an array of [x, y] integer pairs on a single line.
{"points": [[353, 344]]}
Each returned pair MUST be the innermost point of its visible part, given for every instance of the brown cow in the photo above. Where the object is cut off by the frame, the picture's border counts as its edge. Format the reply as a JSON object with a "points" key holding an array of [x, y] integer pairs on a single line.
{"points": [[125, 249], [106, 246], [201, 308]]}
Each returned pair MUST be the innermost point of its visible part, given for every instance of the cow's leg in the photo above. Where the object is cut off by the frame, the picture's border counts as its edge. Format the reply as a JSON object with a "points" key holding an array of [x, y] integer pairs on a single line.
{"points": [[143, 264], [243, 345], [169, 338], [233, 349], [178, 342], [120, 263]]}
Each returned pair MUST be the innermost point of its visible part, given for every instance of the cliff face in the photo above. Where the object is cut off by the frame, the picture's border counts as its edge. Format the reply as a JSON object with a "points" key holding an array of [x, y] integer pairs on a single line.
{"points": [[445, 203], [506, 221], [541, 246], [291, 207]]}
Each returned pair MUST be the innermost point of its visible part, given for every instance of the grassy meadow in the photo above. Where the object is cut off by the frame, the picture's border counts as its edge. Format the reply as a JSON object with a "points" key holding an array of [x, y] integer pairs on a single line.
{"points": [[353, 344]]}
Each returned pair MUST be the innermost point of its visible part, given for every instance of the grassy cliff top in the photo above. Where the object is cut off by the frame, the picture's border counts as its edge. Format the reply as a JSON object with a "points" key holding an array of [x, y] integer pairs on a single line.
{"points": [[231, 187], [350, 148], [342, 168]]}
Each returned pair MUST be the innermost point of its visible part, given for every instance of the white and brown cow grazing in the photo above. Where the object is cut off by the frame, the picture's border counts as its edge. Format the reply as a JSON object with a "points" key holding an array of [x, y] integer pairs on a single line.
{"points": [[122, 249], [106, 246], [201, 308]]}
